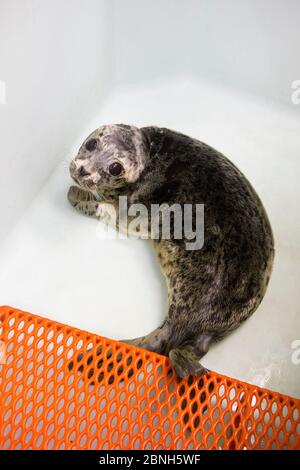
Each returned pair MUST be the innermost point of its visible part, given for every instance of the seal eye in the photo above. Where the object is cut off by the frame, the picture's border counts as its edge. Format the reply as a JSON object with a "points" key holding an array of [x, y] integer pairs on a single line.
{"points": [[91, 145], [115, 169]]}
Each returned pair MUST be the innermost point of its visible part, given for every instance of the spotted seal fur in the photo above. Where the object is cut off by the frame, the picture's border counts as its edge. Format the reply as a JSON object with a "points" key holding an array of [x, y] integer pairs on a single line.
{"points": [[210, 291]]}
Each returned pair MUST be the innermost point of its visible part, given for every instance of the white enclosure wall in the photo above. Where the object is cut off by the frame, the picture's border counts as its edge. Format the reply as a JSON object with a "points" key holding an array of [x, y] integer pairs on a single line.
{"points": [[56, 62], [219, 70], [251, 45]]}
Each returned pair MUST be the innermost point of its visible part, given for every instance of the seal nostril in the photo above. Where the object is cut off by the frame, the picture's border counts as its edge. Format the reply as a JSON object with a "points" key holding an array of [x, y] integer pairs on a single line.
{"points": [[82, 171]]}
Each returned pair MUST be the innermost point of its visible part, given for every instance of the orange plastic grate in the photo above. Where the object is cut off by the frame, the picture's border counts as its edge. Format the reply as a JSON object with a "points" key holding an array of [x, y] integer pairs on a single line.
{"points": [[119, 397]]}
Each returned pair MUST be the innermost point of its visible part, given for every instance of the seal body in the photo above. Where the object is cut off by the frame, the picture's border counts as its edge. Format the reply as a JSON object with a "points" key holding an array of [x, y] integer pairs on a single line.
{"points": [[211, 291]]}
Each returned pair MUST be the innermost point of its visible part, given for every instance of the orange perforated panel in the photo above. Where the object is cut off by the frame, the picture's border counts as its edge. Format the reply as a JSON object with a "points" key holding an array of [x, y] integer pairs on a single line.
{"points": [[62, 388]]}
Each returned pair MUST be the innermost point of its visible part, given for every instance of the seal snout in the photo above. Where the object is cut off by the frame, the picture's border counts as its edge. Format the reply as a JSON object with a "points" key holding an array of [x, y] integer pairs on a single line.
{"points": [[83, 172], [78, 172], [72, 168]]}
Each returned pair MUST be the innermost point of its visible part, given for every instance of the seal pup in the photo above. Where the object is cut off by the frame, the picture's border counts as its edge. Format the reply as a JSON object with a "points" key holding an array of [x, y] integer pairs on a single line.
{"points": [[211, 291]]}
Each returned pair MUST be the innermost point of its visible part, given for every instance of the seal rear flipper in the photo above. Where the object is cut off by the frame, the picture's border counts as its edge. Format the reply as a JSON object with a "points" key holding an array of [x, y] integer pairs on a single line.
{"points": [[185, 358], [157, 341], [185, 362]]}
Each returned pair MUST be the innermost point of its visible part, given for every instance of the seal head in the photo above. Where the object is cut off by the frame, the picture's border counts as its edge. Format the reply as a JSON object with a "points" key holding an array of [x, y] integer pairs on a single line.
{"points": [[111, 157]]}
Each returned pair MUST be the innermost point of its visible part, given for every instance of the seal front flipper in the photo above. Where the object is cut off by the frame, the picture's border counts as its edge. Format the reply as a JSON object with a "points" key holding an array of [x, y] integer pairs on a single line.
{"points": [[83, 201]]}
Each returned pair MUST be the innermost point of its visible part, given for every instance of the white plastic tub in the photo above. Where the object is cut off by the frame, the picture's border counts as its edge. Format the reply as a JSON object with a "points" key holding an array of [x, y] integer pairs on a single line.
{"points": [[220, 73]]}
